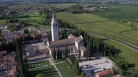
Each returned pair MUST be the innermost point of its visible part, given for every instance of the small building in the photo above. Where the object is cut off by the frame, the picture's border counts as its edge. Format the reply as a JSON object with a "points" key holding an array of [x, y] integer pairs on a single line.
{"points": [[105, 73], [8, 65]]}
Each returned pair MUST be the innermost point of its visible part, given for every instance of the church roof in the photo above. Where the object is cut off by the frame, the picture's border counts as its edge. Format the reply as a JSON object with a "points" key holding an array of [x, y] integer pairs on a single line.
{"points": [[78, 39], [69, 41], [82, 48], [64, 41], [63, 47], [71, 36]]}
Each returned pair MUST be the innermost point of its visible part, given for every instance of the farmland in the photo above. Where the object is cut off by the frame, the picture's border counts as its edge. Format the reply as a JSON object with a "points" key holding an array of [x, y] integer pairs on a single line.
{"points": [[36, 5], [94, 23], [124, 13]]}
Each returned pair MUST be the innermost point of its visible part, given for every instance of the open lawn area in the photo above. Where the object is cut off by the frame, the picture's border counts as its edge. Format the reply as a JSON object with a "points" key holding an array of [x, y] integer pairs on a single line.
{"points": [[127, 53], [48, 70], [65, 69], [34, 19], [94, 23], [3, 22], [33, 16]]}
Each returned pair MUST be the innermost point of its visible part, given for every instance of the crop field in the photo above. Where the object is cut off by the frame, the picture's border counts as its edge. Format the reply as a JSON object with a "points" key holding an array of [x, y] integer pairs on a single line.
{"points": [[33, 5], [94, 23], [125, 13]]}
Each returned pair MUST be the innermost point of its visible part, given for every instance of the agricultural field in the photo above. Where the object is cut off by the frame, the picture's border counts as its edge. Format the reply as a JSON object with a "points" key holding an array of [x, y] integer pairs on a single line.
{"points": [[94, 23], [33, 5], [125, 52], [124, 13]]}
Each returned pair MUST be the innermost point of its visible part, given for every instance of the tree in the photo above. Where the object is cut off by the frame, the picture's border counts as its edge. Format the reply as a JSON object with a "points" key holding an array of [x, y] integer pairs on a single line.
{"points": [[76, 63], [83, 74], [58, 54], [66, 51], [26, 31], [72, 58], [54, 54], [40, 12], [77, 70], [79, 54], [88, 51]]}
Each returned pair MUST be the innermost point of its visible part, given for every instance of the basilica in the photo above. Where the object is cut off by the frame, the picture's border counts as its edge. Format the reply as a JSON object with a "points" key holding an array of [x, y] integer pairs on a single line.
{"points": [[74, 44]]}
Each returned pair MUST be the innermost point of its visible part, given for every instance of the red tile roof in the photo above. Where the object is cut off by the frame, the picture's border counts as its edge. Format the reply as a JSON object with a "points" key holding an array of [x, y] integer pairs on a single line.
{"points": [[105, 72]]}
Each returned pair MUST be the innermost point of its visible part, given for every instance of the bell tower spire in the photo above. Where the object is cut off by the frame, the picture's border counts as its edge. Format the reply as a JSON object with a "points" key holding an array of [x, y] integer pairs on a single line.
{"points": [[54, 27]]}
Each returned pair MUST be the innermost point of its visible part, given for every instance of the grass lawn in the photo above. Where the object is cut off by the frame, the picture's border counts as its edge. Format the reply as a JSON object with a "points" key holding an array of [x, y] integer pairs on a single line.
{"points": [[33, 19], [65, 70], [94, 23], [127, 53], [48, 70], [3, 21], [58, 60]]}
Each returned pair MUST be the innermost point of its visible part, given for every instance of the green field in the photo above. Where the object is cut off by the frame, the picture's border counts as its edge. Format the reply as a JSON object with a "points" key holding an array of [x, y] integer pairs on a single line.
{"points": [[94, 23], [126, 12], [127, 53], [65, 70], [33, 16], [33, 19], [48, 70], [36, 5], [3, 22]]}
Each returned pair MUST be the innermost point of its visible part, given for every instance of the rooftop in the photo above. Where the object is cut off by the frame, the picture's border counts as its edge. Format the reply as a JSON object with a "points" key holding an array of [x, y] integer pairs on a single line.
{"points": [[97, 65], [105, 72]]}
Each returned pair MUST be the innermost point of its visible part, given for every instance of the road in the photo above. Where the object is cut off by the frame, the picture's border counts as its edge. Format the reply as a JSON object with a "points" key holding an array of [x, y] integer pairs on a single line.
{"points": [[133, 47], [53, 63]]}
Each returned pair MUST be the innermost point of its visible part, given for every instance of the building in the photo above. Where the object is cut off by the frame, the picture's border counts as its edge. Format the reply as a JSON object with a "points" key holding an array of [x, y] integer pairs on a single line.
{"points": [[8, 65], [105, 73], [97, 65], [39, 51], [54, 28], [36, 52], [73, 44]]}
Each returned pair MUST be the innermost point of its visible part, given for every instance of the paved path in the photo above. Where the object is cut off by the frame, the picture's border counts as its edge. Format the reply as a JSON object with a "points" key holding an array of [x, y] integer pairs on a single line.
{"points": [[133, 47], [53, 63]]}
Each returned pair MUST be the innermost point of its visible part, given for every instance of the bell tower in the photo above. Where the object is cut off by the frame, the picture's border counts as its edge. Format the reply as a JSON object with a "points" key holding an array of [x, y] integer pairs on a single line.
{"points": [[54, 28]]}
